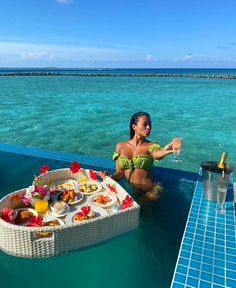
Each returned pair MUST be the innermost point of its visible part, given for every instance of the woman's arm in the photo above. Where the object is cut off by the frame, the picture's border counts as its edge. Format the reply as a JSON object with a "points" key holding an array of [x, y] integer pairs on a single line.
{"points": [[161, 153]]}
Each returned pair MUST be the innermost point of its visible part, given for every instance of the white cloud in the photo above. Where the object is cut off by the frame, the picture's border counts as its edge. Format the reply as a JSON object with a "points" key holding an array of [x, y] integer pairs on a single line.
{"points": [[150, 58], [37, 55], [189, 57], [64, 2], [26, 53]]}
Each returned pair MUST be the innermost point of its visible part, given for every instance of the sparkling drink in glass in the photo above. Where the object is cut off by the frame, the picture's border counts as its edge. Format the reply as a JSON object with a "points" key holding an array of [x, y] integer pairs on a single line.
{"points": [[177, 144], [221, 194]]}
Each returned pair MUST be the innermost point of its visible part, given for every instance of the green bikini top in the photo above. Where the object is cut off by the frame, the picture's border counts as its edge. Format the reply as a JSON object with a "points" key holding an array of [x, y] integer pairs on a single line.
{"points": [[139, 161]]}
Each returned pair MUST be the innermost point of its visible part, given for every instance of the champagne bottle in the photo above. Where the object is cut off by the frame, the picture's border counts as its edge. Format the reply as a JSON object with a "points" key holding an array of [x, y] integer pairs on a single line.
{"points": [[222, 164]]}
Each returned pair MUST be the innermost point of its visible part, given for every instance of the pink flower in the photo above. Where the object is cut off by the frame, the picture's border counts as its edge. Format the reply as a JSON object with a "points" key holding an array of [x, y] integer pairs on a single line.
{"points": [[7, 214], [36, 221], [75, 167], [44, 169], [93, 174], [40, 192], [25, 200], [127, 202]]}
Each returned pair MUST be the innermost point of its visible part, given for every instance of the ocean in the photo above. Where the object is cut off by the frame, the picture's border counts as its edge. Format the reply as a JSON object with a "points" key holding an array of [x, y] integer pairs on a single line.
{"points": [[89, 115]]}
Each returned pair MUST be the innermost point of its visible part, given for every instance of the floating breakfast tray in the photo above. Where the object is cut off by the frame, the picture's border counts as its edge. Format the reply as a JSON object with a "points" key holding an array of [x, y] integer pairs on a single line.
{"points": [[26, 242]]}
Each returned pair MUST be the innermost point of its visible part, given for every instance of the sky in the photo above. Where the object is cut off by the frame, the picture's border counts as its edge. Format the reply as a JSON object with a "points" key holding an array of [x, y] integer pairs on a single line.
{"points": [[118, 34]]}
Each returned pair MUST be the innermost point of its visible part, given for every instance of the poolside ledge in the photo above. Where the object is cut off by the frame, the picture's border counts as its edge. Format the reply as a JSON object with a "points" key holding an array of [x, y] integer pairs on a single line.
{"points": [[207, 257]]}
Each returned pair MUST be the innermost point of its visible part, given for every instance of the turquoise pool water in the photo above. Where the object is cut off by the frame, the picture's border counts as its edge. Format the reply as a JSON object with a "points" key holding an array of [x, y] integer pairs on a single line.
{"points": [[146, 255]]}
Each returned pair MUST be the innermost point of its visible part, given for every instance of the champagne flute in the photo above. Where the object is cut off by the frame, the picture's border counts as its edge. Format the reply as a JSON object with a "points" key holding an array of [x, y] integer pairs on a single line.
{"points": [[176, 144], [221, 194]]}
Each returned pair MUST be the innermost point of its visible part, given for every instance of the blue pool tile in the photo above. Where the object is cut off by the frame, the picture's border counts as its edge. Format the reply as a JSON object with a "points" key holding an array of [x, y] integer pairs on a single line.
{"points": [[220, 242], [185, 254], [219, 262], [183, 261], [230, 250], [230, 265], [208, 253], [231, 274], [182, 269], [204, 284], [197, 250], [195, 264], [230, 238], [207, 260], [231, 258], [196, 257], [220, 249], [209, 246], [188, 241], [207, 268], [192, 282], [206, 276], [219, 280], [217, 286], [194, 272], [220, 271], [230, 283], [210, 234], [181, 278], [186, 247]]}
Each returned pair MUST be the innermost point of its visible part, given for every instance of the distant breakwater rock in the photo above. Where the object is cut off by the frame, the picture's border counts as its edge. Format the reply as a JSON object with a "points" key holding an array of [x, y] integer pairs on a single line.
{"points": [[117, 75]]}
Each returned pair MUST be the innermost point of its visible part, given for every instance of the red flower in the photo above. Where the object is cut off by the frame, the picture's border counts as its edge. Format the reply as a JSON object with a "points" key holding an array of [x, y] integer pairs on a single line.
{"points": [[36, 221], [85, 211], [93, 174], [112, 188], [44, 169], [127, 202], [75, 167], [7, 214]]}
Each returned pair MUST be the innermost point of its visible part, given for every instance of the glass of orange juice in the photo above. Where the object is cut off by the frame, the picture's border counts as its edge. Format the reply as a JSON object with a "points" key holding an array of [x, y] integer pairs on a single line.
{"points": [[41, 206]]}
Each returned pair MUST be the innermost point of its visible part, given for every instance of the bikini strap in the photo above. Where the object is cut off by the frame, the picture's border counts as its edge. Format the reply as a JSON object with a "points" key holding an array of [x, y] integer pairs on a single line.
{"points": [[116, 155]]}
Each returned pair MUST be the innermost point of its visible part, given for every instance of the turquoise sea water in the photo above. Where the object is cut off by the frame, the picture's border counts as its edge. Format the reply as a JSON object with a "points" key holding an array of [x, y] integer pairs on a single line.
{"points": [[89, 115]]}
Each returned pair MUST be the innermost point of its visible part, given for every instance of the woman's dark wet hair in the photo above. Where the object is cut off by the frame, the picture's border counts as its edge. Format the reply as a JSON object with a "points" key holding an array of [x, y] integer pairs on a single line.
{"points": [[134, 120]]}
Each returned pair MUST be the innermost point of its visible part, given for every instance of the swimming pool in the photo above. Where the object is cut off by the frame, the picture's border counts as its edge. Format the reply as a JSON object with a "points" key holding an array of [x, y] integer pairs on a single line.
{"points": [[146, 255]]}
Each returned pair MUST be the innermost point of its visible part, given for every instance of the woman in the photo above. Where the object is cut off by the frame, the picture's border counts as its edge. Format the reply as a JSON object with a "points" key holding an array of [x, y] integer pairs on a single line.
{"points": [[135, 157]]}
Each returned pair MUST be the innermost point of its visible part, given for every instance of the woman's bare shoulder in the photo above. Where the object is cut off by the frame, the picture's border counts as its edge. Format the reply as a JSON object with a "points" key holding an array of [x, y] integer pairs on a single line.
{"points": [[121, 145]]}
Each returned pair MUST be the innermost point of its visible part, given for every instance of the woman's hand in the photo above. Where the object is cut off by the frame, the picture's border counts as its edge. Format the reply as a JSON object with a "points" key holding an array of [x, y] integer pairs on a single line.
{"points": [[168, 147], [103, 174]]}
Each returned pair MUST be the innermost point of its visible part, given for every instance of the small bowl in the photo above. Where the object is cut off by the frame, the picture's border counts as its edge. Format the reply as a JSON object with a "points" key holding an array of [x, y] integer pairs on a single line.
{"points": [[58, 207]]}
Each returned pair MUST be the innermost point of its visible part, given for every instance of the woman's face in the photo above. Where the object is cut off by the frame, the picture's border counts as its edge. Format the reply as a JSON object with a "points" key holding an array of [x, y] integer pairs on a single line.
{"points": [[143, 126]]}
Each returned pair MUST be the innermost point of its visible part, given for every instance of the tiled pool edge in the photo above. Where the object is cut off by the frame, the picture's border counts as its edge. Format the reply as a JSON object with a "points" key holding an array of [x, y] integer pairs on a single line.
{"points": [[56, 155], [207, 256]]}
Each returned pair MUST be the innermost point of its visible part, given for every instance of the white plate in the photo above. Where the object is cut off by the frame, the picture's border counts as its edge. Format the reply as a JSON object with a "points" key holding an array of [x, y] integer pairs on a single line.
{"points": [[65, 212], [99, 212], [112, 197], [49, 217], [80, 197], [99, 187], [34, 212], [62, 184]]}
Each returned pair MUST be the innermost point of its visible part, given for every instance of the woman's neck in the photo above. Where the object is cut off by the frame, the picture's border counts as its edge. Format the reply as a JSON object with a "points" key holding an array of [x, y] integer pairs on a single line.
{"points": [[137, 140]]}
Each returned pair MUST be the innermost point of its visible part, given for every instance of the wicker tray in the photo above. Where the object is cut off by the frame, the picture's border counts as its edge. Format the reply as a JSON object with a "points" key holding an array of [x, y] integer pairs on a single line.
{"points": [[24, 241]]}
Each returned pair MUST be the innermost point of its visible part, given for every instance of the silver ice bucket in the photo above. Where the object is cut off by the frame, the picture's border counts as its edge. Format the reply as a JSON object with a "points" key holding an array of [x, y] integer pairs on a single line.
{"points": [[212, 178]]}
